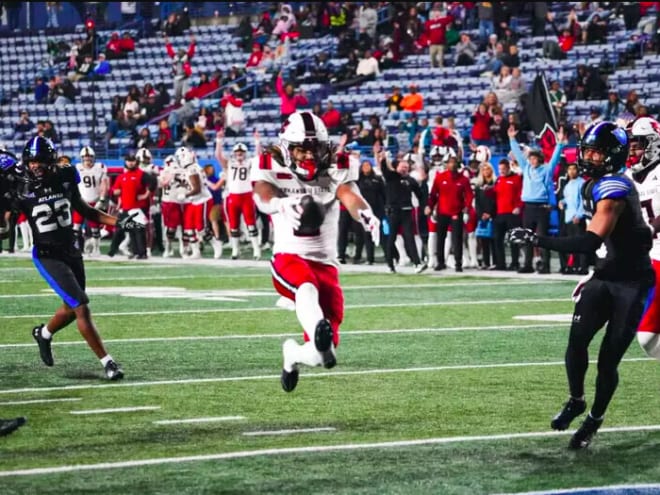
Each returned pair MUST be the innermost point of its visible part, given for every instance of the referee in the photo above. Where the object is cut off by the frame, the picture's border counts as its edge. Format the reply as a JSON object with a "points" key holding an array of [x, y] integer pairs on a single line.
{"points": [[399, 188]]}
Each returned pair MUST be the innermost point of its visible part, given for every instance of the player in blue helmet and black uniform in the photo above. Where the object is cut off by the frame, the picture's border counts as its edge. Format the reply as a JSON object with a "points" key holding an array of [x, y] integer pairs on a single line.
{"points": [[48, 194], [615, 293]]}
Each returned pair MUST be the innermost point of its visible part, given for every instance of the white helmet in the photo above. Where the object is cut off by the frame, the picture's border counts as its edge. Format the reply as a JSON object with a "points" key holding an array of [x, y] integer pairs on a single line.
{"points": [[87, 153], [170, 161], [482, 153], [184, 156], [644, 134], [307, 131], [143, 157]]}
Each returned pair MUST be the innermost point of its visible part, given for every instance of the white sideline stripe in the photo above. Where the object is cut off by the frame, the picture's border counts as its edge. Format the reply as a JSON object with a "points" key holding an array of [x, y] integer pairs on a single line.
{"points": [[116, 410], [288, 432], [268, 291], [310, 449], [256, 336], [588, 488], [198, 420], [274, 308], [322, 374], [38, 401]]}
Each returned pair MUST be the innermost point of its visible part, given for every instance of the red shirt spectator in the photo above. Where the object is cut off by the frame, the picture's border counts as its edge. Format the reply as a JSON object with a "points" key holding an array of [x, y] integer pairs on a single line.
{"points": [[451, 192], [435, 29], [113, 46], [481, 125], [164, 139], [205, 87], [132, 186], [289, 100], [507, 192], [126, 43], [566, 41], [255, 56], [332, 117]]}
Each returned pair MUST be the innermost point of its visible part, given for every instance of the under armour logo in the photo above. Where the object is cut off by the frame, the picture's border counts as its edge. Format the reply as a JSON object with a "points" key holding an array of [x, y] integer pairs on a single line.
{"points": [[576, 318]]}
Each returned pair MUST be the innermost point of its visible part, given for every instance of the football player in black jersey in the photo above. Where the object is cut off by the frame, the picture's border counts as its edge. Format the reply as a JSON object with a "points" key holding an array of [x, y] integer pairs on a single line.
{"points": [[616, 291], [48, 194]]}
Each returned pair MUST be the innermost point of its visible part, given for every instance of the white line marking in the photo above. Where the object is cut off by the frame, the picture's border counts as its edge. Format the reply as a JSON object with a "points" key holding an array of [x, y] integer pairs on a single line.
{"points": [[606, 488], [116, 410], [289, 431], [310, 449], [274, 308], [321, 374], [256, 336], [564, 318], [198, 420], [38, 401], [259, 292]]}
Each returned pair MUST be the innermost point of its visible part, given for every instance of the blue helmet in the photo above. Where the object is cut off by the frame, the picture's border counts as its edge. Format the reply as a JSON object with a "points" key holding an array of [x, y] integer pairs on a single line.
{"points": [[612, 141]]}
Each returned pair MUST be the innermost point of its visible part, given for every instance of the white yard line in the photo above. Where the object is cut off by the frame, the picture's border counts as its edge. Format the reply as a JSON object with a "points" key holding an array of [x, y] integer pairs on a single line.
{"points": [[274, 308], [38, 401], [115, 410], [321, 374], [291, 431], [344, 333], [198, 420], [313, 449]]}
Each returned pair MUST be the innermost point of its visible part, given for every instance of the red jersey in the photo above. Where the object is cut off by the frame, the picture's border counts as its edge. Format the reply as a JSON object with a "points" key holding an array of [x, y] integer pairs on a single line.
{"points": [[435, 29], [508, 193], [452, 193], [131, 184]]}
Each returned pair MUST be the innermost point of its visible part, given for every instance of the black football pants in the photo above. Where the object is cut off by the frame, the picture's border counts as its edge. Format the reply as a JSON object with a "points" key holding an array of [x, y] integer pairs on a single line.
{"points": [[404, 219]]}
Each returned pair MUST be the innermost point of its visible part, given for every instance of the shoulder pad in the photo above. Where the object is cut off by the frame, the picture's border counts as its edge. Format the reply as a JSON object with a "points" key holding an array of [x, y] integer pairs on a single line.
{"points": [[612, 187]]}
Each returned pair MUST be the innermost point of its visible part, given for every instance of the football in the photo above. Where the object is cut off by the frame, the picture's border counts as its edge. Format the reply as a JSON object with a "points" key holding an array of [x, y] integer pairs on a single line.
{"points": [[313, 214]]}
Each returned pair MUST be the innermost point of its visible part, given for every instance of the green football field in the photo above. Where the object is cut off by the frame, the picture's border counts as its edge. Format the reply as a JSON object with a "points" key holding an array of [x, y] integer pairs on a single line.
{"points": [[440, 388]]}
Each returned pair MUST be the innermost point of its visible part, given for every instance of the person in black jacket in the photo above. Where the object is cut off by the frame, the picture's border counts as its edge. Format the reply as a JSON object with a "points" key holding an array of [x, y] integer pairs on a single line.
{"points": [[372, 187], [485, 207], [399, 187]]}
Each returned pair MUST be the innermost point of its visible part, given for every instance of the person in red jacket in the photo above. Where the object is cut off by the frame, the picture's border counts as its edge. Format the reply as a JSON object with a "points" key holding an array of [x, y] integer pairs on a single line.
{"points": [[450, 198], [480, 133], [435, 29], [331, 117], [181, 67], [133, 189], [255, 56], [289, 100], [507, 193]]}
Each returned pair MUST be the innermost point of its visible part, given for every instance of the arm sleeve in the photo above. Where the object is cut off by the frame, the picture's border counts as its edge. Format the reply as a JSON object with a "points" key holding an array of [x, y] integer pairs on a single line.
{"points": [[518, 154], [585, 243]]}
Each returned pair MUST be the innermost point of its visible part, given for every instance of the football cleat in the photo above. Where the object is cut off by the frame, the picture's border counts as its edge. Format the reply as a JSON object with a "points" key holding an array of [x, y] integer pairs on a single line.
{"points": [[571, 410], [8, 426], [113, 371], [421, 267], [45, 351], [323, 336], [585, 433], [289, 379]]}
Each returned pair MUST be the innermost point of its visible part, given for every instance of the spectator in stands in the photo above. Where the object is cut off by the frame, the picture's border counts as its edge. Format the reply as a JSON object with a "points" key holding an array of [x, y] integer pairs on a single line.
{"points": [[164, 139], [234, 114], [347, 71], [540, 15], [596, 31], [502, 83], [172, 26], [89, 44], [331, 117], [558, 99], [23, 127], [486, 24], [263, 30], [435, 30], [614, 107], [143, 139], [368, 21], [40, 90], [126, 43], [289, 100], [632, 102], [244, 33], [101, 67], [255, 57], [50, 132], [338, 17], [518, 85], [163, 98], [113, 47], [498, 128], [573, 25], [62, 91], [512, 58], [393, 102], [131, 106], [181, 68], [480, 133], [193, 137], [414, 101], [83, 70], [285, 23], [52, 9], [465, 50]]}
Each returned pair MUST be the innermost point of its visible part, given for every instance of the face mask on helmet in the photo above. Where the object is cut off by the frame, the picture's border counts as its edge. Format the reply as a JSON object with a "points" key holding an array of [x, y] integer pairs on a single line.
{"points": [[39, 159], [304, 141], [603, 150], [644, 136], [143, 156], [309, 158], [87, 156]]}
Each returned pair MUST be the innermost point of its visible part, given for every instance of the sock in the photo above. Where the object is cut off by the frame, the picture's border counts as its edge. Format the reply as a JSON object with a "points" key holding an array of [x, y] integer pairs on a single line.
{"points": [[596, 419], [256, 250], [45, 333], [235, 248], [308, 310], [432, 248], [106, 359], [304, 354]]}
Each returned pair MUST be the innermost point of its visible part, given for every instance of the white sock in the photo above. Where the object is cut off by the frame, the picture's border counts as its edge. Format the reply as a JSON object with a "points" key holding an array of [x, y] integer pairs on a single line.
{"points": [[472, 248], [432, 248], [235, 248], [256, 250], [106, 359], [45, 333], [308, 310], [418, 246]]}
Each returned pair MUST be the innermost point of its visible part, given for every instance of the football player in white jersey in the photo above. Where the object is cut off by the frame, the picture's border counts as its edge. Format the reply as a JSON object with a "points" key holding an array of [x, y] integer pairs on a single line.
{"points": [[300, 182], [146, 164], [172, 183], [94, 186], [238, 199], [643, 160], [197, 200]]}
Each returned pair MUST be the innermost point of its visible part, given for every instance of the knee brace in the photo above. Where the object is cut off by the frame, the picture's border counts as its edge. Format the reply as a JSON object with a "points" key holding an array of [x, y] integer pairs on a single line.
{"points": [[235, 233], [252, 231]]}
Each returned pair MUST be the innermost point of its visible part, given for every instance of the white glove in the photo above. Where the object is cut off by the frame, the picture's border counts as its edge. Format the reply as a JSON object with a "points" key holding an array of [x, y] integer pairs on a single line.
{"points": [[289, 208], [371, 224]]}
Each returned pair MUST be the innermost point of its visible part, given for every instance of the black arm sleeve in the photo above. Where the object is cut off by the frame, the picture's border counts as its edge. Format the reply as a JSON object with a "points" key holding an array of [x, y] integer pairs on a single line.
{"points": [[585, 243]]}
